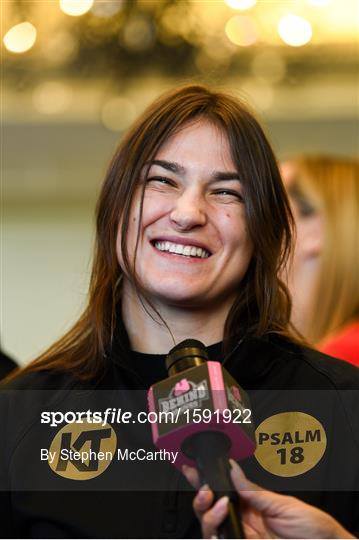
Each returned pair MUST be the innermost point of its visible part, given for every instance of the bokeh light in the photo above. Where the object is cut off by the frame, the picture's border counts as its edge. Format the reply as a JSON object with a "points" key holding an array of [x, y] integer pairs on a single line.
{"points": [[52, 97], [118, 113], [138, 34], [20, 38], [240, 4], [61, 47], [218, 49], [295, 30], [178, 20], [107, 8], [75, 8], [241, 30]]}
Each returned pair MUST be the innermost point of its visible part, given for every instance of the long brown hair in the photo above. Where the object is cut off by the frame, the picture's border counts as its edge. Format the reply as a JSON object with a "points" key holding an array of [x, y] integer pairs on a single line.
{"points": [[262, 304], [329, 185]]}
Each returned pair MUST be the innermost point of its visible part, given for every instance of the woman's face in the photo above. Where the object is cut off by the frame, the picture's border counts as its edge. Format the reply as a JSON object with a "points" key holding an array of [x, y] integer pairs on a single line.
{"points": [[308, 220], [194, 247], [302, 272]]}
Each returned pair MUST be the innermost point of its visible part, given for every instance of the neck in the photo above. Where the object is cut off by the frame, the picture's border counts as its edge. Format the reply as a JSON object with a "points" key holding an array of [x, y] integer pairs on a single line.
{"points": [[150, 335]]}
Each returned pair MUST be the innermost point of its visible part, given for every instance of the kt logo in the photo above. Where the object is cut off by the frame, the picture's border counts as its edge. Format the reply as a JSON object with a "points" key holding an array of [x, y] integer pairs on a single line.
{"points": [[82, 451]]}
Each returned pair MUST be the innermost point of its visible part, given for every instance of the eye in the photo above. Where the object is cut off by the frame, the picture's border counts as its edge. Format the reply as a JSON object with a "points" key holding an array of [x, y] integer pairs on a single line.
{"points": [[229, 193], [305, 208], [161, 180]]}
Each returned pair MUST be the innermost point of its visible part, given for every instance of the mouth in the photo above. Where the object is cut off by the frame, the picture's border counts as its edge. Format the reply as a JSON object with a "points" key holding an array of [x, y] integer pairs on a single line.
{"points": [[185, 250]]}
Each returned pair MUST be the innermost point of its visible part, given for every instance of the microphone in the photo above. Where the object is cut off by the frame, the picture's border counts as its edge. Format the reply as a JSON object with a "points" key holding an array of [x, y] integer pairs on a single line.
{"points": [[210, 421]]}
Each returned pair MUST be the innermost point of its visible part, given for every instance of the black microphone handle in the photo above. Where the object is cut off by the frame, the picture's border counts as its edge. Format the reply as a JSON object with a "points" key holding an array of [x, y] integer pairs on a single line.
{"points": [[210, 451]]}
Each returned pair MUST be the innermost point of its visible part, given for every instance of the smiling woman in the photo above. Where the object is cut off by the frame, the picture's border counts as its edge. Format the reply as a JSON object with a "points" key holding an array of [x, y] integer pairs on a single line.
{"points": [[193, 231], [201, 157], [192, 243], [195, 170]]}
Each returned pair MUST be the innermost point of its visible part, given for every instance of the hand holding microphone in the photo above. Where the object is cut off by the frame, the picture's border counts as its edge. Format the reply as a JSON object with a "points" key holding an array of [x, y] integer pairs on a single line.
{"points": [[265, 514], [197, 385]]}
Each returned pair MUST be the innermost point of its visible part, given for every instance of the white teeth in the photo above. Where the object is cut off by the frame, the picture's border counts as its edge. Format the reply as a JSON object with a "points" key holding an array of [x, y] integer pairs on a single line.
{"points": [[182, 250]]}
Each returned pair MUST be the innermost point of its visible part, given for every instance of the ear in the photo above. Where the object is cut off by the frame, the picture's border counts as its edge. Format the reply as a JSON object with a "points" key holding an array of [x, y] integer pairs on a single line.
{"points": [[312, 235]]}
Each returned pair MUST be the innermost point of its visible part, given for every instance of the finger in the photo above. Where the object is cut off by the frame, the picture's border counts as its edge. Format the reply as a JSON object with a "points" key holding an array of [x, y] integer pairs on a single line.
{"points": [[213, 518], [203, 501], [259, 498], [192, 476], [239, 479]]}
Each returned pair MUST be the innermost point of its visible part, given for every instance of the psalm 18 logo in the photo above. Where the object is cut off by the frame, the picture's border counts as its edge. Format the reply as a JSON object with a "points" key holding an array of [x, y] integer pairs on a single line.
{"points": [[290, 443], [82, 451]]}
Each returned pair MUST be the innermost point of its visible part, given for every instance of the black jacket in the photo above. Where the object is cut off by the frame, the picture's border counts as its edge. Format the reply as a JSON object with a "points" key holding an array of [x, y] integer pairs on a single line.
{"points": [[312, 453], [7, 364]]}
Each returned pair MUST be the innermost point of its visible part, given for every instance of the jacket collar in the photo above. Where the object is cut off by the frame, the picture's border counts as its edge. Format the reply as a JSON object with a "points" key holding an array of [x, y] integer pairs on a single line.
{"points": [[249, 360]]}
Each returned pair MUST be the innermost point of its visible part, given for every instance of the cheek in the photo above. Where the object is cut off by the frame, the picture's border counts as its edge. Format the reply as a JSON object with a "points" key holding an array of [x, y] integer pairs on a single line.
{"points": [[233, 226], [154, 208], [301, 234], [131, 236]]}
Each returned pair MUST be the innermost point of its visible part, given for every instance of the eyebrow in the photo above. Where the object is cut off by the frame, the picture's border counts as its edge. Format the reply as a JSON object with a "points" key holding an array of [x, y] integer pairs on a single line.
{"points": [[179, 169]]}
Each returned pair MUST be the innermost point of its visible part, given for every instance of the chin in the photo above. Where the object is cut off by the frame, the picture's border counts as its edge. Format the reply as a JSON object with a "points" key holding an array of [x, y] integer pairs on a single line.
{"points": [[177, 294], [183, 299]]}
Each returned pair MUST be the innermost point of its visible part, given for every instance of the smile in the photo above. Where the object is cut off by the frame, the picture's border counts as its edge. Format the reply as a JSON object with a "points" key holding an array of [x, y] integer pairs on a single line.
{"points": [[179, 249]]}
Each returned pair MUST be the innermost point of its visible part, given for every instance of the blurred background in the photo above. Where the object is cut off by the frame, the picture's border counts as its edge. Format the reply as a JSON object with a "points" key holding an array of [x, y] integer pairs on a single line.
{"points": [[75, 73]]}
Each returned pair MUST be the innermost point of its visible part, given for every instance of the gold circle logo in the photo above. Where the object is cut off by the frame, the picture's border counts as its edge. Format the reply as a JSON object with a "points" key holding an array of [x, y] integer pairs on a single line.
{"points": [[290, 443], [82, 451]]}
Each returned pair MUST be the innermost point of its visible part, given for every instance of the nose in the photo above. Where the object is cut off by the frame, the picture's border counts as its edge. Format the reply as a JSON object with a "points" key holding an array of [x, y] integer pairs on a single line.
{"points": [[189, 211]]}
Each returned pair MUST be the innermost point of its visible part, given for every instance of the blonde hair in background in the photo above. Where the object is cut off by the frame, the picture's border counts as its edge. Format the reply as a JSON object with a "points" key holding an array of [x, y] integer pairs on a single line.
{"points": [[331, 186]]}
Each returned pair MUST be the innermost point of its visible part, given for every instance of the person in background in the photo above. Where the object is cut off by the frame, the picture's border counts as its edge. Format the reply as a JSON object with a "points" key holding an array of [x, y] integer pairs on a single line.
{"points": [[323, 274]]}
